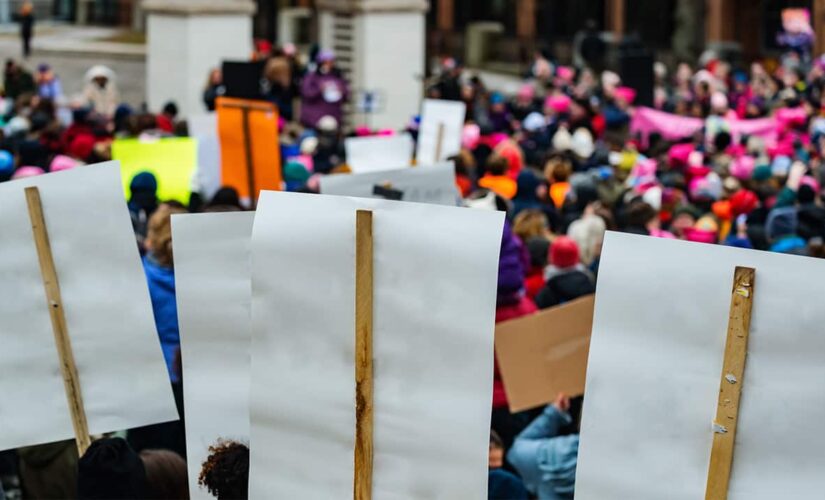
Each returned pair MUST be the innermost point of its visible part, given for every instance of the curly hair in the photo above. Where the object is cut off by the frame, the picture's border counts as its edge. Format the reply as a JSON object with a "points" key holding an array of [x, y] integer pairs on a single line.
{"points": [[225, 473]]}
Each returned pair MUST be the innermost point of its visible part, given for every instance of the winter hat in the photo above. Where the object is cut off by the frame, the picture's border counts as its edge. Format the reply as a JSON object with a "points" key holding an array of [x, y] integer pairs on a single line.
{"points": [[100, 71], [810, 182], [510, 151], [82, 146], [610, 79], [762, 172], [564, 252], [718, 101], [534, 122], [143, 182], [325, 55], [63, 162], [742, 167], [560, 103], [706, 188], [309, 145], [679, 153], [6, 163], [27, 171], [582, 143], [527, 91], [327, 123], [565, 73], [781, 222], [470, 136], [110, 469], [743, 202], [295, 172], [626, 94], [226, 197], [562, 140]]}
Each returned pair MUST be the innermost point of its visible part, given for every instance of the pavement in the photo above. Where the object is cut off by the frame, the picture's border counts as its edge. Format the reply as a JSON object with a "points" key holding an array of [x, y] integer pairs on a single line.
{"points": [[71, 50]]}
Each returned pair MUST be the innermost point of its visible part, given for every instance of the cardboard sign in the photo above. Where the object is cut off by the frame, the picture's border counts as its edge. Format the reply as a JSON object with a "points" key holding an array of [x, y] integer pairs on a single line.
{"points": [[434, 282], [656, 357], [439, 135], [108, 315], [543, 354], [372, 154], [204, 129], [250, 153], [214, 294], [171, 160], [434, 184]]}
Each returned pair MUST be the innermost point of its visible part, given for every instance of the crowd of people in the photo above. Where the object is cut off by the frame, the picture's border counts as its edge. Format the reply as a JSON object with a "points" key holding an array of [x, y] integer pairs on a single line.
{"points": [[564, 157]]}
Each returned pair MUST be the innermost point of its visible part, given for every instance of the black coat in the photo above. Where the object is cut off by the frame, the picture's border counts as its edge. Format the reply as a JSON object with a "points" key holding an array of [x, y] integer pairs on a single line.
{"points": [[564, 287]]}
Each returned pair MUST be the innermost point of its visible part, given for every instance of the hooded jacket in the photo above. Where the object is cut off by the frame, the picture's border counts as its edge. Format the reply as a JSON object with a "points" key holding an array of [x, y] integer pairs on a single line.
{"points": [[161, 282], [546, 461], [316, 92], [564, 285]]}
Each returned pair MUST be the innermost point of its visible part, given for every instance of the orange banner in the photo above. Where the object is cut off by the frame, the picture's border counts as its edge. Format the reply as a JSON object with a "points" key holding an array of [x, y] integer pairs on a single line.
{"points": [[250, 153]]}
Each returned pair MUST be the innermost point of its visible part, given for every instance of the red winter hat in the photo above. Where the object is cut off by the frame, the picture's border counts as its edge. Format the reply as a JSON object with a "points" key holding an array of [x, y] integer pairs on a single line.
{"points": [[564, 252], [743, 202]]}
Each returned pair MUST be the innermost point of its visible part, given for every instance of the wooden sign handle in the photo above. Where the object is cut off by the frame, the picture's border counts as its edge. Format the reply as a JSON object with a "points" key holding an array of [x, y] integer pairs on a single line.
{"points": [[68, 368], [362, 489], [730, 389], [439, 142]]}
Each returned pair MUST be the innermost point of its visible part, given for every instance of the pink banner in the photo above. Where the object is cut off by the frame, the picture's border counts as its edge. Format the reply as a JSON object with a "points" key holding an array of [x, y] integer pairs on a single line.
{"points": [[674, 127]]}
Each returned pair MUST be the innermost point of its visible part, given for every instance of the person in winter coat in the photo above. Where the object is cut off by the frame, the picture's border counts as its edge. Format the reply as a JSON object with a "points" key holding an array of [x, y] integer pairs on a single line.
{"points": [[101, 91], [27, 27], [48, 470], [546, 460], [48, 84], [323, 92], [160, 274], [567, 278], [110, 468], [142, 204]]}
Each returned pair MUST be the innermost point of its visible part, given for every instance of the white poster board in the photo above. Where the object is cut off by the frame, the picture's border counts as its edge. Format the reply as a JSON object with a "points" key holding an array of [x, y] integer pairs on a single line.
{"points": [[122, 374], [204, 128], [435, 276], [434, 184], [375, 153], [447, 117], [655, 366], [214, 296]]}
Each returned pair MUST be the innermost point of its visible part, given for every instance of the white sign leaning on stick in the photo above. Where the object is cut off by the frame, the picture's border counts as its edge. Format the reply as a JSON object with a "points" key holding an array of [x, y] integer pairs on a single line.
{"points": [[439, 135], [375, 153], [668, 331], [98, 307], [426, 290], [214, 296], [434, 184]]}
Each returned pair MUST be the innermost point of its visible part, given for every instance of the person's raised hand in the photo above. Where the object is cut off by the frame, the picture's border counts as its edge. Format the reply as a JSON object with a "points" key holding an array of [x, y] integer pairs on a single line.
{"points": [[562, 403]]}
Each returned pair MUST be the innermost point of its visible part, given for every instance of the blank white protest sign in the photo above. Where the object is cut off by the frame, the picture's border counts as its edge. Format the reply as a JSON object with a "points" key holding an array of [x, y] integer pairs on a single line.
{"points": [[435, 184], [435, 276], [376, 153], [122, 374], [214, 294], [447, 116], [659, 333]]}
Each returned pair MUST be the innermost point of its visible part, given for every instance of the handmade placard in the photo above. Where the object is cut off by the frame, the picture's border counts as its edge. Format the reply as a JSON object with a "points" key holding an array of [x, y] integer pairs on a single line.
{"points": [[434, 184], [434, 276], [664, 310], [375, 153], [171, 160], [439, 135], [214, 295], [101, 308], [543, 354]]}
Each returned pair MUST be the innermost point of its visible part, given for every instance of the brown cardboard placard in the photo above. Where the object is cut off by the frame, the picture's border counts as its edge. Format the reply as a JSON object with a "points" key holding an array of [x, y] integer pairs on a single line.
{"points": [[545, 353]]}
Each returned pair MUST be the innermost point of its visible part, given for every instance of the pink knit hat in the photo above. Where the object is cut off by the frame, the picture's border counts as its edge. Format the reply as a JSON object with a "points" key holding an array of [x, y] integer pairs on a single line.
{"points": [[63, 162], [559, 103], [679, 153], [626, 94], [742, 167], [470, 136], [27, 171]]}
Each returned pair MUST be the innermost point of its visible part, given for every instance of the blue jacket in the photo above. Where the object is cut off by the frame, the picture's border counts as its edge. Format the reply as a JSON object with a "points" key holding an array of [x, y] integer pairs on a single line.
{"points": [[545, 460], [162, 291]]}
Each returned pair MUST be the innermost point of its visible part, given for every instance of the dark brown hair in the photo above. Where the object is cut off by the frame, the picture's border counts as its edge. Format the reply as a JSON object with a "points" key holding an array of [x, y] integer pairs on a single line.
{"points": [[165, 475], [225, 473]]}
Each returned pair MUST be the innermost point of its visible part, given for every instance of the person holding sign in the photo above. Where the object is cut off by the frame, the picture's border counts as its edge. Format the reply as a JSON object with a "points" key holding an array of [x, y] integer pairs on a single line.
{"points": [[324, 92]]}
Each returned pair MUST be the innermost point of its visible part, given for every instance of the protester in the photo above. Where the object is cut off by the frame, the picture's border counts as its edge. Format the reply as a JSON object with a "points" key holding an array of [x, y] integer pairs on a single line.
{"points": [[109, 470], [166, 475], [16, 80], [566, 277], [544, 458], [49, 470], [26, 27], [225, 473], [323, 92], [101, 91], [48, 84], [214, 89]]}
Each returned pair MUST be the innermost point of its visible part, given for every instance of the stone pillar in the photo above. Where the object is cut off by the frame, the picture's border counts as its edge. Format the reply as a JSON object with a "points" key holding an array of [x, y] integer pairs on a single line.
{"points": [[720, 20], [615, 23], [818, 23], [185, 40], [380, 46]]}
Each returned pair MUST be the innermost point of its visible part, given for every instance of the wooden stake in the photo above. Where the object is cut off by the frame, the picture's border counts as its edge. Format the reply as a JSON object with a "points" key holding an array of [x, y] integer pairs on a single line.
{"points": [[733, 371], [68, 368], [362, 489], [439, 141], [250, 162]]}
